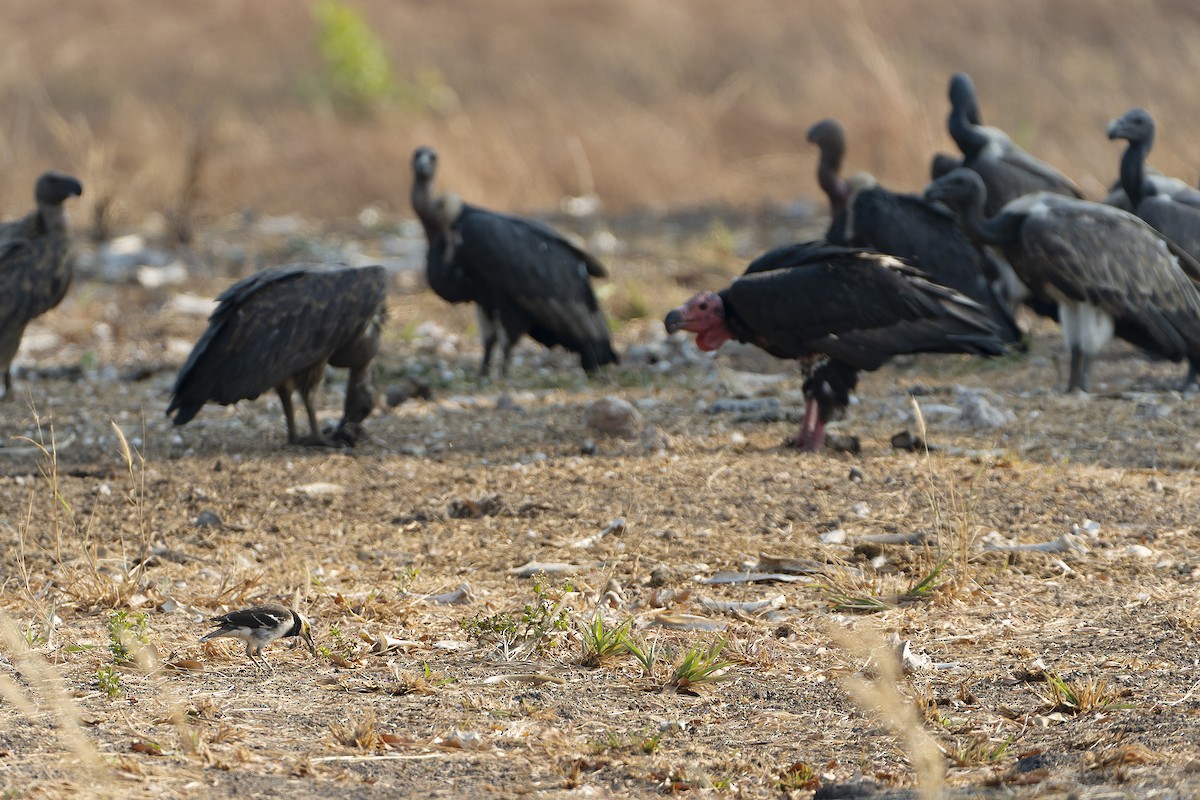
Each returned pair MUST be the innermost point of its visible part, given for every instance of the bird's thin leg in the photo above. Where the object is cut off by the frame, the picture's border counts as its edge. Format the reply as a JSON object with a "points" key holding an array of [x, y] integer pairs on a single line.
{"points": [[1081, 369], [812, 431], [1192, 380], [488, 337], [289, 411], [314, 427], [8, 384]]}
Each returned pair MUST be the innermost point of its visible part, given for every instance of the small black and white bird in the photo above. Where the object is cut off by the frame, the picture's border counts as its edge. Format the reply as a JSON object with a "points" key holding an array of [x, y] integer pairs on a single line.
{"points": [[261, 625]]}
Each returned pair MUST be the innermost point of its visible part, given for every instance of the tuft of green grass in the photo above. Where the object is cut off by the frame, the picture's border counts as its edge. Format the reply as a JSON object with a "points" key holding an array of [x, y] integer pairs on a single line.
{"points": [[600, 642], [1079, 695], [645, 653], [978, 751], [797, 776], [700, 665]]}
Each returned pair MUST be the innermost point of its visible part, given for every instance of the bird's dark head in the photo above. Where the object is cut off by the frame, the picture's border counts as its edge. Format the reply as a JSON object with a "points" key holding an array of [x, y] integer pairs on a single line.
{"points": [[703, 315], [828, 135], [424, 163], [305, 633], [1136, 125], [962, 91], [53, 187], [958, 188]]}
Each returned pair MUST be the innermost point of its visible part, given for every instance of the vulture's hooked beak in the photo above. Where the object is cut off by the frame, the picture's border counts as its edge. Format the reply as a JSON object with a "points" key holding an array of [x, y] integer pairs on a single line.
{"points": [[674, 320]]}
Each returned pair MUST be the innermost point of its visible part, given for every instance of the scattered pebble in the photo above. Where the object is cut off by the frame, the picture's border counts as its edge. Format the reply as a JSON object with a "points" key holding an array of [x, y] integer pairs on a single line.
{"points": [[1139, 551], [208, 519], [856, 475], [837, 536]]}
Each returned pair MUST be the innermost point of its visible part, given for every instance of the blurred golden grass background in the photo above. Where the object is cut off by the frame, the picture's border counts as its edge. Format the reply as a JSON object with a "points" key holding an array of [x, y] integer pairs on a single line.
{"points": [[648, 104]]}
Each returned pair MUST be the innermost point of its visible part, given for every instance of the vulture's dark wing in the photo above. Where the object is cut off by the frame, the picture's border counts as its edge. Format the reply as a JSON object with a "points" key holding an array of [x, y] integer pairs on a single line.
{"points": [[1177, 220], [1110, 259], [540, 272], [929, 236], [34, 276], [862, 310], [801, 254], [1010, 172], [271, 325], [546, 233]]}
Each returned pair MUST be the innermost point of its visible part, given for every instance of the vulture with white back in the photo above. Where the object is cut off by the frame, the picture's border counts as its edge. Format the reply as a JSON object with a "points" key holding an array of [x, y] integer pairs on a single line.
{"points": [[1109, 271]]}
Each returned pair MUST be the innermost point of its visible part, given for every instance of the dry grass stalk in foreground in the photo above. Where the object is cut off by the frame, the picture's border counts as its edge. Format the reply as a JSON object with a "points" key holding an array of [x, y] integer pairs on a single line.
{"points": [[883, 698]]}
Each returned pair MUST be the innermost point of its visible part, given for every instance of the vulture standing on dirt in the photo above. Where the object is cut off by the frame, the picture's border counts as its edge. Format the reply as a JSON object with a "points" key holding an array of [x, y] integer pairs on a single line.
{"points": [[35, 264], [277, 329], [849, 307], [1169, 205], [908, 226], [1008, 172], [522, 276], [1109, 271]]}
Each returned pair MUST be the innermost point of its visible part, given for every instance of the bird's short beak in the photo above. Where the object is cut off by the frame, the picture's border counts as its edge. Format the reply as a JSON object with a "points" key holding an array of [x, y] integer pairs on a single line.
{"points": [[1114, 129], [306, 635], [674, 320]]}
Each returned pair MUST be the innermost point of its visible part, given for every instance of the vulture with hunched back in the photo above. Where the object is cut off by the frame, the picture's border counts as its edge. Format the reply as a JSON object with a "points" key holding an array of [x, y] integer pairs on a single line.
{"points": [[278, 329], [906, 225], [1109, 271], [36, 265], [1169, 205], [1008, 171], [523, 277], [839, 310]]}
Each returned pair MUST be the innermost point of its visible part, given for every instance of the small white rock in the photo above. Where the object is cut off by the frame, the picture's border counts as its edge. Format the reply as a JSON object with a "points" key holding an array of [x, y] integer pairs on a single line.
{"points": [[1139, 551]]}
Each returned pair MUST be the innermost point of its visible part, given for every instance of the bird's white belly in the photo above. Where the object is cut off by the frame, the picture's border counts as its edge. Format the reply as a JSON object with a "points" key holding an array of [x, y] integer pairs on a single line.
{"points": [[1085, 326]]}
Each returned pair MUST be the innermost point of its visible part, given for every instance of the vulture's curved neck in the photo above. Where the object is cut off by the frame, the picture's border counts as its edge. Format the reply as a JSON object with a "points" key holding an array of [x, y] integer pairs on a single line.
{"points": [[423, 203], [965, 132], [1133, 170], [1000, 230], [828, 170], [51, 218]]}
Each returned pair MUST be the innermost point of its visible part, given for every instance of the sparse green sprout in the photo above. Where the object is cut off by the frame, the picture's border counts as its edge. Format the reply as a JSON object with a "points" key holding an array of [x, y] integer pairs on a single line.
{"points": [[797, 776], [108, 679], [540, 626], [700, 665], [646, 653], [927, 585], [1079, 696], [600, 642], [127, 632], [978, 751]]}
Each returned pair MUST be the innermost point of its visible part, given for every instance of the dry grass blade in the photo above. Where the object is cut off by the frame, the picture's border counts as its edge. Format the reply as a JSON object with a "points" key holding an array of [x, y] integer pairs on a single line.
{"points": [[883, 698]]}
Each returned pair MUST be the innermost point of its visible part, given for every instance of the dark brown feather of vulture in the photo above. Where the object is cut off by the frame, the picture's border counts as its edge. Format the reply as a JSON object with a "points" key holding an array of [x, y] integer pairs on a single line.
{"points": [[36, 266], [278, 329]]}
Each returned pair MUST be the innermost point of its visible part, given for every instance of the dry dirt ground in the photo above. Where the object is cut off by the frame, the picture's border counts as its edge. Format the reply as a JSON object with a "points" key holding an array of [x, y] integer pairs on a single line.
{"points": [[488, 696]]}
